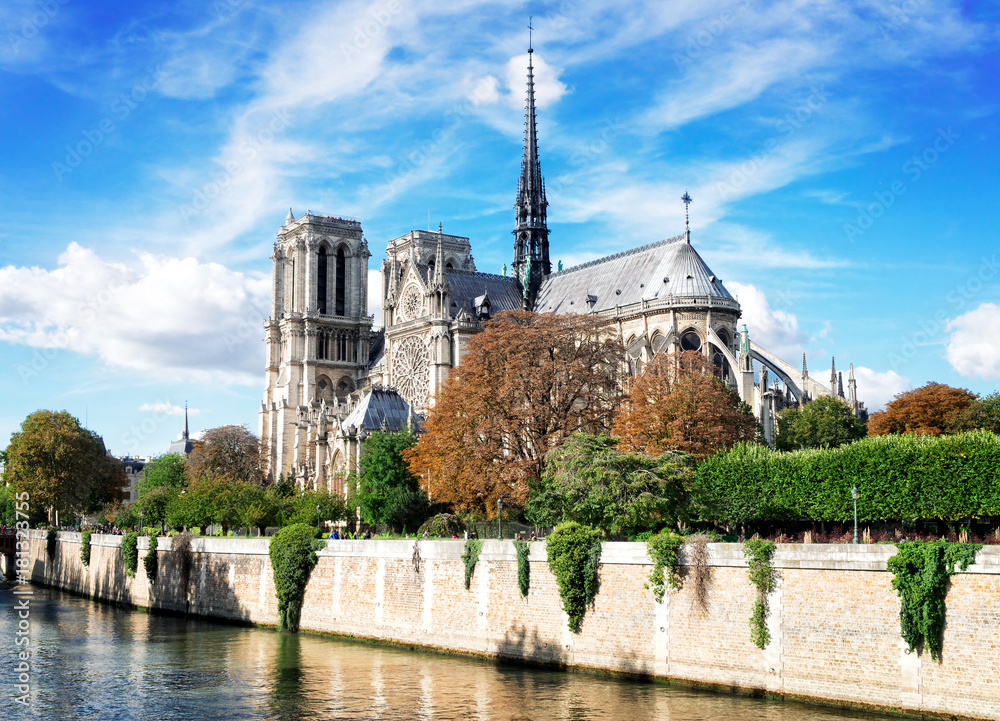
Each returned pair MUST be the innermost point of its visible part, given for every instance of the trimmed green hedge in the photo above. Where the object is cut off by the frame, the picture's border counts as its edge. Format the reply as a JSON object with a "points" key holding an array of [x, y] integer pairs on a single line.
{"points": [[900, 478]]}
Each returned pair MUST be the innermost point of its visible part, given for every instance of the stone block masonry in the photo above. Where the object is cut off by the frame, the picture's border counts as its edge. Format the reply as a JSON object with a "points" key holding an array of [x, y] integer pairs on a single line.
{"points": [[834, 616]]}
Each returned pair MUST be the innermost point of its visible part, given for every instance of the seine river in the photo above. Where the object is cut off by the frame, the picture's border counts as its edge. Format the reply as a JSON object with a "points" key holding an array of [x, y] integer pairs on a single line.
{"points": [[93, 661]]}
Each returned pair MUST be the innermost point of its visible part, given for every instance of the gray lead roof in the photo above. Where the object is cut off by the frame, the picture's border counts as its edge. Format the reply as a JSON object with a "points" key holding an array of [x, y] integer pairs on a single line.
{"points": [[669, 267]]}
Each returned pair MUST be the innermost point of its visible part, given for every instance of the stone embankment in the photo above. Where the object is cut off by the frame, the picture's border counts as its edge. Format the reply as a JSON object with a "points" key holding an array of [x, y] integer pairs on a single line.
{"points": [[834, 617]]}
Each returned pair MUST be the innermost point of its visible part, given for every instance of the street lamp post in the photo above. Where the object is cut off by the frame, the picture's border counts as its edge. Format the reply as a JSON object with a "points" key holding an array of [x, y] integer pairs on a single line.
{"points": [[500, 518], [854, 495], [319, 521]]}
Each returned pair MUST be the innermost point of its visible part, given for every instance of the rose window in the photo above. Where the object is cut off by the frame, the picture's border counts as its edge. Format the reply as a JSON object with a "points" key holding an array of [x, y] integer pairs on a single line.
{"points": [[410, 370]]}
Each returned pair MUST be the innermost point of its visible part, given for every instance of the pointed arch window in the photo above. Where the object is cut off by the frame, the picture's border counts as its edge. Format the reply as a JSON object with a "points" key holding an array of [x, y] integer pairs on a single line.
{"points": [[321, 281], [341, 280]]}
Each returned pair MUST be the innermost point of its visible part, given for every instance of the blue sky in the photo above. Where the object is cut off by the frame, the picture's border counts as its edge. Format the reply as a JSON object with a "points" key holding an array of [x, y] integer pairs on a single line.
{"points": [[843, 158]]}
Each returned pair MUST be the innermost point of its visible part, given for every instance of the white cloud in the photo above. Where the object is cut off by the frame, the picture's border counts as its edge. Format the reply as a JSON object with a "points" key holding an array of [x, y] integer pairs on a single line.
{"points": [[548, 87], [167, 408], [167, 318], [876, 389], [774, 329], [973, 348]]}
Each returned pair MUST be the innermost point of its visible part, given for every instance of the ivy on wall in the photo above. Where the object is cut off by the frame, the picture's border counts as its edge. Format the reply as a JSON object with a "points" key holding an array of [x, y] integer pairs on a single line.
{"points": [[574, 555], [50, 543], [151, 561], [664, 548], [130, 553], [921, 570], [470, 556], [758, 553], [85, 547], [523, 567], [293, 556]]}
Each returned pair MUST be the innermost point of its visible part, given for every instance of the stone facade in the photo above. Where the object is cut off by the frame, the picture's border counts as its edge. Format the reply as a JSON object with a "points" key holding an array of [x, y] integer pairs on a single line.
{"points": [[834, 617]]}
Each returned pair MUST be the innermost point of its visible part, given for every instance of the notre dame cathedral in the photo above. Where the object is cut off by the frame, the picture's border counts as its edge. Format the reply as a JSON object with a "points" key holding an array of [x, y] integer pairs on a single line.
{"points": [[331, 379]]}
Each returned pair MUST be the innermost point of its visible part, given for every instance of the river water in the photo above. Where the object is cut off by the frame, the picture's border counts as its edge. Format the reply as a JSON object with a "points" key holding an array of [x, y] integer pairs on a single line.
{"points": [[93, 661]]}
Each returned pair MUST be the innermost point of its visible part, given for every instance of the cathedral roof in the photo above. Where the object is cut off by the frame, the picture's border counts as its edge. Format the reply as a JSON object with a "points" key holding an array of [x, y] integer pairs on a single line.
{"points": [[379, 409], [669, 267], [466, 286]]}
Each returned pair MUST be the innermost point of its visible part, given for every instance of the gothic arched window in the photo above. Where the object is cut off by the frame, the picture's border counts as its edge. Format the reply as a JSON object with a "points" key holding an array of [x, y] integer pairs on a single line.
{"points": [[321, 281], [341, 281]]}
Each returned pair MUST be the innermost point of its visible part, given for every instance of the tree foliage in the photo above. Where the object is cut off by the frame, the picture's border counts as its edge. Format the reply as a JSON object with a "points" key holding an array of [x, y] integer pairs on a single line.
{"points": [[982, 413], [678, 404], [928, 410], [61, 465], [167, 470], [387, 491], [226, 452], [525, 382], [826, 422], [587, 480]]}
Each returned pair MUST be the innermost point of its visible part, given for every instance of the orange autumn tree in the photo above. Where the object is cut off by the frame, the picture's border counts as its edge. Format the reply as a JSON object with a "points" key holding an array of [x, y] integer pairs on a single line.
{"points": [[929, 410], [679, 404], [527, 381]]}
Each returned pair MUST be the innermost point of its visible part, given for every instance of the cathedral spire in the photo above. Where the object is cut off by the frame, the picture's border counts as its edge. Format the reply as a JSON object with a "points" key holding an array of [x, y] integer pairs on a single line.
{"points": [[439, 257], [531, 232], [186, 434], [687, 216]]}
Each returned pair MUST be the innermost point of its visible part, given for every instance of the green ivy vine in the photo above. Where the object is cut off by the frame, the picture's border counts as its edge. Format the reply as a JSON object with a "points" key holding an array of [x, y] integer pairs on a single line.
{"points": [[151, 561], [664, 548], [921, 570], [85, 547], [758, 553], [50, 542], [574, 555], [471, 556], [523, 567], [293, 556], [130, 553]]}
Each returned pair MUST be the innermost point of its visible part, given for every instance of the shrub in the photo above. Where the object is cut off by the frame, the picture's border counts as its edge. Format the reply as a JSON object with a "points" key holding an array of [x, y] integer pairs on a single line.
{"points": [[151, 560], [85, 547], [130, 553], [899, 478], [664, 548], [293, 556], [574, 555], [444, 525], [920, 576]]}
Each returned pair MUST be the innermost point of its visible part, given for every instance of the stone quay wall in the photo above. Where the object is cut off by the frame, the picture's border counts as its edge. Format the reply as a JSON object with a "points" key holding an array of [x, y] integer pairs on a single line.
{"points": [[834, 617]]}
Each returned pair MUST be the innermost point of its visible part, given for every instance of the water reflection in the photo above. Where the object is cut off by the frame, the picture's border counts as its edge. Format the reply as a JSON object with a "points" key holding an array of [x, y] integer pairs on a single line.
{"points": [[96, 662]]}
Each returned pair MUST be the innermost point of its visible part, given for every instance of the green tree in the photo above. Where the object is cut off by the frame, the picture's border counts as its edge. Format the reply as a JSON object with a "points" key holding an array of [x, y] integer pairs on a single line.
{"points": [[823, 423], [587, 480], [153, 504], [387, 491], [166, 470], [982, 413], [301, 509], [7, 514], [63, 466]]}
